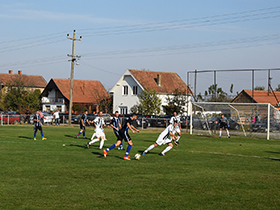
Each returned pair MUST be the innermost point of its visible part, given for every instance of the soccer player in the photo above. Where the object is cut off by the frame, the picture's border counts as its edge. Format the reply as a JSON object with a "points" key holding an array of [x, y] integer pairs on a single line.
{"points": [[123, 134], [83, 122], [38, 125], [99, 132], [177, 128], [116, 125], [56, 117], [163, 139], [223, 122]]}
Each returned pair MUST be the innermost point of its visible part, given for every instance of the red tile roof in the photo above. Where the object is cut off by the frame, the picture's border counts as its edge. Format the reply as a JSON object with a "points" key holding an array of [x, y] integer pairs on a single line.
{"points": [[34, 81], [169, 81], [84, 91], [262, 96]]}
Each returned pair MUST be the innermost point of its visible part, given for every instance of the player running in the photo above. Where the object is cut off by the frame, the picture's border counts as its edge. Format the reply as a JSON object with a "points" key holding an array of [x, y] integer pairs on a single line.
{"points": [[116, 125], [223, 122], [38, 125], [83, 122], [123, 134], [99, 132], [177, 129], [163, 139]]}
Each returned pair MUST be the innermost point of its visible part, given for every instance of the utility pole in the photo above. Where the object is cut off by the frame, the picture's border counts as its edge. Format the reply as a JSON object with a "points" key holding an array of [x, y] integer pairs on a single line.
{"points": [[73, 60]]}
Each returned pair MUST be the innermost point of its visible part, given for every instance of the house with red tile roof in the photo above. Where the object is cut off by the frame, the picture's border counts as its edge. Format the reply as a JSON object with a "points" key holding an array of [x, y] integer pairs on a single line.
{"points": [[30, 82], [258, 96], [133, 82], [86, 94]]}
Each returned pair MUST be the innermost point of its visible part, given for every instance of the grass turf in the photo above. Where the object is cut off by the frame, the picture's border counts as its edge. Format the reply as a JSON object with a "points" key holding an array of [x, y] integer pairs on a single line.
{"points": [[204, 172]]}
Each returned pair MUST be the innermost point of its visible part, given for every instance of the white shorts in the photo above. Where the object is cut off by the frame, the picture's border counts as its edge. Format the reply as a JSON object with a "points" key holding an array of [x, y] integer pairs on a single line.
{"points": [[177, 129], [99, 133], [161, 141]]}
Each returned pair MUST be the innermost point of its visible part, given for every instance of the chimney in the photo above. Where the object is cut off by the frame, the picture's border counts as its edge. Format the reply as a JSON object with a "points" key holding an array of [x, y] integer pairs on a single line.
{"points": [[20, 72], [159, 80], [10, 71]]}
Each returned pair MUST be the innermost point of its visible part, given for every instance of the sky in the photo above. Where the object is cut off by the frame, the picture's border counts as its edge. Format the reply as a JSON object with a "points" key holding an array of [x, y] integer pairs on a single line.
{"points": [[171, 36]]}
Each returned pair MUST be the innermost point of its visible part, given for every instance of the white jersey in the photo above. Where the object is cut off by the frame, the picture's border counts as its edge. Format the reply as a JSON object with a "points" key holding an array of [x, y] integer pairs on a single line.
{"points": [[163, 137], [177, 118], [99, 122]]}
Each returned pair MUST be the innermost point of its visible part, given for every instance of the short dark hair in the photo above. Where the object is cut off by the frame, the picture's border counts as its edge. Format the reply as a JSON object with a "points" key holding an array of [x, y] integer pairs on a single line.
{"points": [[116, 112], [133, 114]]}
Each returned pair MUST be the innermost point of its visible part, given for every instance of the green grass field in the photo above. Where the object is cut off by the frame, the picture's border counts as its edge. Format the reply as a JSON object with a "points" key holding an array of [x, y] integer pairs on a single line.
{"points": [[204, 172]]}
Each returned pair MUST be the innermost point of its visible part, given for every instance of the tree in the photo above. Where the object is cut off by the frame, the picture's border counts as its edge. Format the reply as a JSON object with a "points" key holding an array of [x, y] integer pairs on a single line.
{"points": [[259, 88], [176, 102], [215, 93], [17, 97], [278, 88], [149, 102]]}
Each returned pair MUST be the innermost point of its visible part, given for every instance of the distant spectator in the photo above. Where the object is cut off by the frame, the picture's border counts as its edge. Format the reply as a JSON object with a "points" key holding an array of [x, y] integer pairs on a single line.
{"points": [[56, 117]]}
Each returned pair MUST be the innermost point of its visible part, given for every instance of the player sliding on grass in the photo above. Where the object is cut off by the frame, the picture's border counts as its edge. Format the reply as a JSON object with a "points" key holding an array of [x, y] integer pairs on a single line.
{"points": [[223, 122], [177, 128], [123, 134], [163, 139]]}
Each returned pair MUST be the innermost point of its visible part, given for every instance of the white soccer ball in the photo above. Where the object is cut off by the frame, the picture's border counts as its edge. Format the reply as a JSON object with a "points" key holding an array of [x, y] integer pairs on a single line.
{"points": [[137, 156]]}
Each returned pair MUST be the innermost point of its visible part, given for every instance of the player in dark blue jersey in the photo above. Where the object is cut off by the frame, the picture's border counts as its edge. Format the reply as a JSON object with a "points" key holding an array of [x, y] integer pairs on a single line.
{"points": [[123, 135], [38, 125], [116, 125], [83, 122]]}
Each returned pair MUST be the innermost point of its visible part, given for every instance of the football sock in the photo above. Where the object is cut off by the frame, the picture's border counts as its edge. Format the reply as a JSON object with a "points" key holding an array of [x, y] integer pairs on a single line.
{"points": [[79, 134], [42, 134], [220, 133], [178, 138], [166, 149], [227, 133], [128, 150], [111, 147], [93, 135], [101, 143], [84, 133], [93, 141], [149, 148], [121, 144], [35, 134]]}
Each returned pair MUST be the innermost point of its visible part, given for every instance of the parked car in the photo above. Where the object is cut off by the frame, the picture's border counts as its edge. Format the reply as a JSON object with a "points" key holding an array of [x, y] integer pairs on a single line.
{"points": [[48, 117], [197, 123], [261, 126], [64, 118], [213, 124], [10, 118]]}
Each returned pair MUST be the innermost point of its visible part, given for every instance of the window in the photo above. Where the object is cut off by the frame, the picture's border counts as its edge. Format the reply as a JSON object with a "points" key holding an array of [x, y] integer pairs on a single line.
{"points": [[123, 110], [135, 90], [125, 90]]}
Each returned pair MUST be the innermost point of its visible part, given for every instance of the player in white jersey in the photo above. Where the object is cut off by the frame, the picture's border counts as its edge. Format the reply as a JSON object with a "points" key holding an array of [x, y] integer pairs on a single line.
{"points": [[177, 129], [99, 132], [163, 138]]}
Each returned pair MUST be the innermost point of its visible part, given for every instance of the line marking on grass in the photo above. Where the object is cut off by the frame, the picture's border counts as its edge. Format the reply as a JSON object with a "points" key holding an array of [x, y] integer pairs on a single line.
{"points": [[237, 155]]}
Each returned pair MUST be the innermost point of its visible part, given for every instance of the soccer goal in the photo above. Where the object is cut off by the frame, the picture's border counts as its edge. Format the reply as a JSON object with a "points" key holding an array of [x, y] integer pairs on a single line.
{"points": [[253, 119]]}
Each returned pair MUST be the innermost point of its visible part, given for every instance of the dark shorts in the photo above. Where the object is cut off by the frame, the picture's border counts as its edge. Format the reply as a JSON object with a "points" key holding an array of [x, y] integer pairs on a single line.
{"points": [[123, 135], [82, 127], [223, 125], [37, 128], [117, 134]]}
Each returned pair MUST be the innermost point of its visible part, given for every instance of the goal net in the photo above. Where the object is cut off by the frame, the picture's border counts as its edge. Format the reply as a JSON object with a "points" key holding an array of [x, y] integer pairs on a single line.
{"points": [[248, 119]]}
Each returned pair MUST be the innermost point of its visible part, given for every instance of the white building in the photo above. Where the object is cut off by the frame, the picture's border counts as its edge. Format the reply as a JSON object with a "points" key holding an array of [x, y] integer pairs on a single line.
{"points": [[132, 82]]}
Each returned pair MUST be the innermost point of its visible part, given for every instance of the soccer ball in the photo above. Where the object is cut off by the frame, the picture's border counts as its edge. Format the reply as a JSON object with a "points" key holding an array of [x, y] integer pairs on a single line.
{"points": [[137, 156]]}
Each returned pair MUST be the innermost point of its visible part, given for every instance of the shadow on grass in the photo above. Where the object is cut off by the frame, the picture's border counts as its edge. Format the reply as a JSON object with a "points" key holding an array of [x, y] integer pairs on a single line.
{"points": [[270, 158], [272, 152], [26, 137], [76, 145]]}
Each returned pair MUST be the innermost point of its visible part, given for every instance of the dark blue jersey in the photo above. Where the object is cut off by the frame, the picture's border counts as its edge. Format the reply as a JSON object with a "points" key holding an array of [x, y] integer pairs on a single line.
{"points": [[83, 118], [38, 119], [115, 122], [125, 127]]}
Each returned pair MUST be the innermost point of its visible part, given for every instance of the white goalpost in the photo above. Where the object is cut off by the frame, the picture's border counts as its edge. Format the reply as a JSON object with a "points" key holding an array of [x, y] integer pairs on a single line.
{"points": [[254, 119]]}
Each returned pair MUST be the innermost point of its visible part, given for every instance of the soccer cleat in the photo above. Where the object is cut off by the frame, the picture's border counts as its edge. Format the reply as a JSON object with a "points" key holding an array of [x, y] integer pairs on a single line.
{"points": [[219, 136], [77, 136], [44, 138], [228, 136], [104, 152], [88, 145], [162, 154], [177, 142], [84, 137], [144, 153], [121, 148], [126, 157], [34, 139]]}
